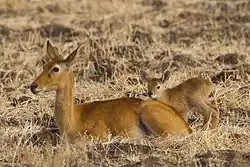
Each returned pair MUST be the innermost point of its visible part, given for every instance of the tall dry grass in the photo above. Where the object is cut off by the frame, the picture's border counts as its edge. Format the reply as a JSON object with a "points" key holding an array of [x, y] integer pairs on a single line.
{"points": [[188, 37]]}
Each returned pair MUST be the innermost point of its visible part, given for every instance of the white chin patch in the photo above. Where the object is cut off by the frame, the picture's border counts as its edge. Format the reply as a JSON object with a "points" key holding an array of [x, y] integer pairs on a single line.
{"points": [[145, 95], [37, 91], [41, 91], [155, 97]]}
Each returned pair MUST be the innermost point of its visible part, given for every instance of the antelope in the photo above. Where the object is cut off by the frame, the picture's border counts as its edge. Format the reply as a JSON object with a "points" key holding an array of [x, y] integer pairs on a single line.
{"points": [[129, 117], [188, 95]]}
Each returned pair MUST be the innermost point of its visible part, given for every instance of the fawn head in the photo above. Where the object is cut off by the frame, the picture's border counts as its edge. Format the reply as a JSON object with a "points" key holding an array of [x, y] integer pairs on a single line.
{"points": [[54, 71], [154, 85]]}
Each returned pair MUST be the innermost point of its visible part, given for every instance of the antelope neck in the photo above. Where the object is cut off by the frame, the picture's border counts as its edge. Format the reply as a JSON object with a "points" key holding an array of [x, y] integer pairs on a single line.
{"points": [[64, 103]]}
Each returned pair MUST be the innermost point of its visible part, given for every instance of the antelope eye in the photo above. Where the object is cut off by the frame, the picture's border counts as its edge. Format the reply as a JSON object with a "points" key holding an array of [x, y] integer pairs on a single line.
{"points": [[55, 69], [158, 87]]}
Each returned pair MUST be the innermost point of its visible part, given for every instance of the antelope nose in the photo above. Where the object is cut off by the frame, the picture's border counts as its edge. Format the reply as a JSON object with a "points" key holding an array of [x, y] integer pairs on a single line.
{"points": [[150, 94], [33, 86]]}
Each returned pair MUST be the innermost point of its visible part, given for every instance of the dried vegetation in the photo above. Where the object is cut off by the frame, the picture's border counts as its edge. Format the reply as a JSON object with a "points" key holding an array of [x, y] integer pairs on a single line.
{"points": [[188, 37]]}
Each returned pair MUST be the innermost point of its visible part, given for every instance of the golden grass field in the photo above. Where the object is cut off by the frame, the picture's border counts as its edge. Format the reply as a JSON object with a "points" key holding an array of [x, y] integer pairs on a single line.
{"points": [[123, 36]]}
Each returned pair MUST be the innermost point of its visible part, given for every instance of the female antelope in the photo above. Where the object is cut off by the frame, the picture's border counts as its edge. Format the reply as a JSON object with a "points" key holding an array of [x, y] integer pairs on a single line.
{"points": [[192, 93], [125, 116]]}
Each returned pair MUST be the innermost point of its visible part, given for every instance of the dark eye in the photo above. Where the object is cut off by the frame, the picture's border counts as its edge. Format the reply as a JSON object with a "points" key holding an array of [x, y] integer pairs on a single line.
{"points": [[158, 87], [55, 69]]}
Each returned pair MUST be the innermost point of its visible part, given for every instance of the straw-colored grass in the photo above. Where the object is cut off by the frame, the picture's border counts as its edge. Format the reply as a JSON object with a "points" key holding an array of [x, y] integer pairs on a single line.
{"points": [[188, 37]]}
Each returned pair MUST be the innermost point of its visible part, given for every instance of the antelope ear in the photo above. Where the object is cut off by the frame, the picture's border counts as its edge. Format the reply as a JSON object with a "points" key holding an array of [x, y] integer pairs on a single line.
{"points": [[165, 76], [72, 55], [52, 51], [143, 76]]}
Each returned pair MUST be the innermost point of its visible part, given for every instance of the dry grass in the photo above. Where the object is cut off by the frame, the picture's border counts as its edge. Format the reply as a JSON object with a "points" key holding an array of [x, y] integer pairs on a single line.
{"points": [[188, 37]]}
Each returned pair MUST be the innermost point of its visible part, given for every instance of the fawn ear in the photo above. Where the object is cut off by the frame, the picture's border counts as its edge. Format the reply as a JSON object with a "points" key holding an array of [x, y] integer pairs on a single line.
{"points": [[72, 55], [165, 76], [143, 76], [52, 51]]}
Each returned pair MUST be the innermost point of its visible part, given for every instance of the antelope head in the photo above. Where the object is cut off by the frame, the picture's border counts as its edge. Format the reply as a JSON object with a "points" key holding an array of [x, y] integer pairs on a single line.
{"points": [[154, 85], [54, 72]]}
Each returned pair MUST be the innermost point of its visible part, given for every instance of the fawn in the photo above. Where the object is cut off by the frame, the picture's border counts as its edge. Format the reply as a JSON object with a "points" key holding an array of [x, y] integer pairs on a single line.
{"points": [[190, 94], [130, 117]]}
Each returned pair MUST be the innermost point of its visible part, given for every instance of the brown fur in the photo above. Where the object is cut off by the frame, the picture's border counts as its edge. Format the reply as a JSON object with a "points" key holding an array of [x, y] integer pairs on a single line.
{"points": [[192, 93], [125, 116]]}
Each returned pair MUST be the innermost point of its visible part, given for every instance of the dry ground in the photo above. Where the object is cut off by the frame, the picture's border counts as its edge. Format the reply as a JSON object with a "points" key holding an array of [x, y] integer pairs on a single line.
{"points": [[187, 36]]}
